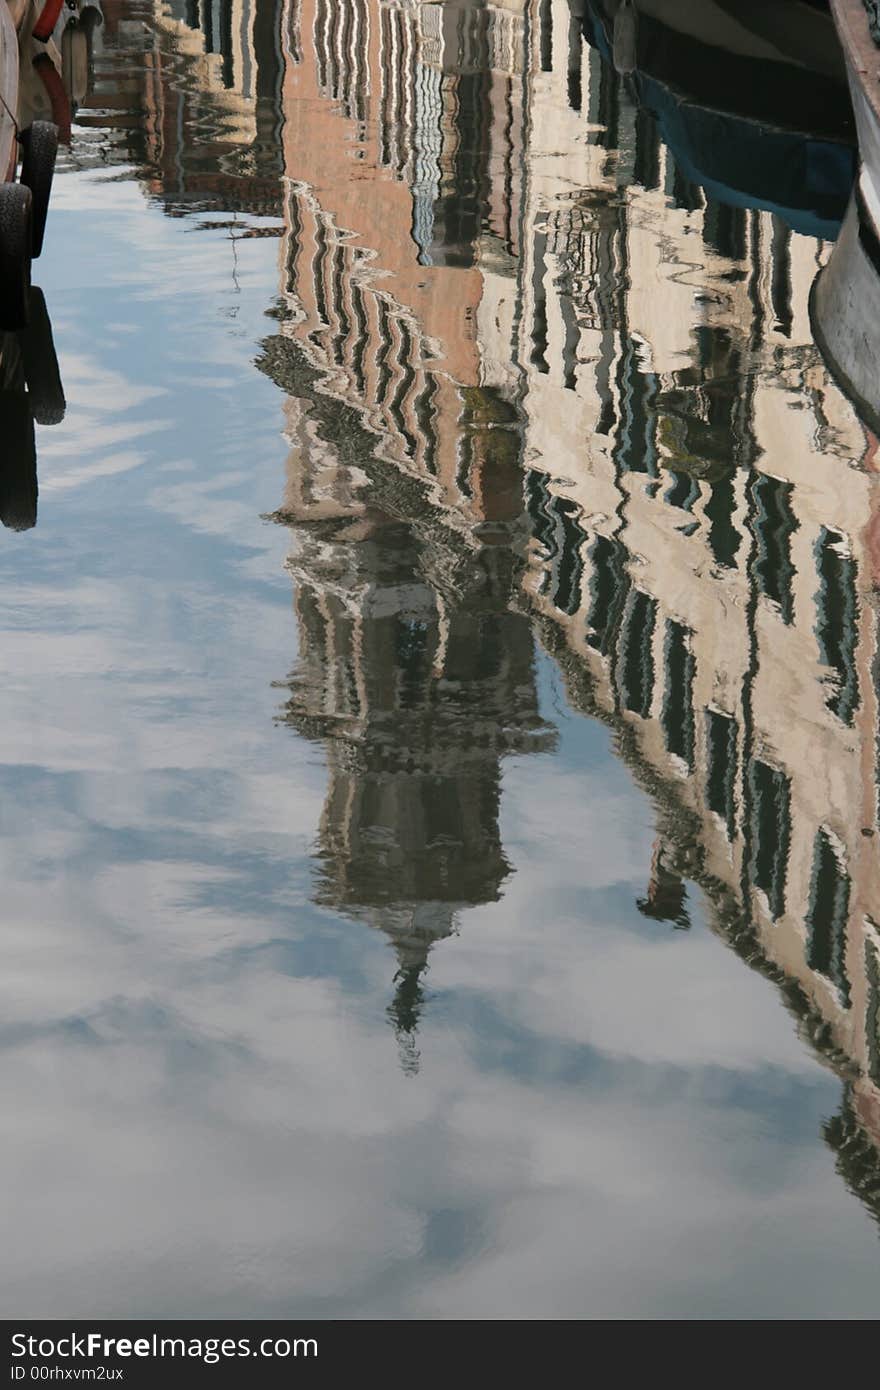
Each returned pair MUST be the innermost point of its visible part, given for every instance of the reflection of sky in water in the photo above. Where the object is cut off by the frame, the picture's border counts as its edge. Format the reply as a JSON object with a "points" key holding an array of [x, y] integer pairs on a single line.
{"points": [[207, 1114]]}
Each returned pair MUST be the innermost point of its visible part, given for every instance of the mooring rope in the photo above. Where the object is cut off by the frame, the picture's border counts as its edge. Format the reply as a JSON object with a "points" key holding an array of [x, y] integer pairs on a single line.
{"points": [[10, 114]]}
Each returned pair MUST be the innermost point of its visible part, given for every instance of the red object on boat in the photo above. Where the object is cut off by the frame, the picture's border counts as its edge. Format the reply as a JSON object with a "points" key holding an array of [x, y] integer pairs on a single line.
{"points": [[57, 92], [47, 20]]}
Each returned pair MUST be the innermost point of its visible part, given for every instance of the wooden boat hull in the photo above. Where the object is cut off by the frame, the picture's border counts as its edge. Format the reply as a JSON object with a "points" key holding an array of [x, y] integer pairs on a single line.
{"points": [[9, 91], [862, 56], [845, 311], [845, 301]]}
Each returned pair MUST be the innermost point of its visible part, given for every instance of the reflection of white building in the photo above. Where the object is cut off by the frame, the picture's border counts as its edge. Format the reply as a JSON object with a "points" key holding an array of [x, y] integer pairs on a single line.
{"points": [[701, 498], [704, 506], [206, 85], [217, 37]]}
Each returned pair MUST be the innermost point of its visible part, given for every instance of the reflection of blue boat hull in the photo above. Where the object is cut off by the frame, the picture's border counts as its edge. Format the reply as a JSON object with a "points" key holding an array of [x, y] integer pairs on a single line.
{"points": [[752, 133], [804, 180], [845, 312]]}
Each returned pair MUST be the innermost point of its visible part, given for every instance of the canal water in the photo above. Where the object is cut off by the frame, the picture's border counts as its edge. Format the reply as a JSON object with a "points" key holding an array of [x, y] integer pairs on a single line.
{"points": [[439, 717]]}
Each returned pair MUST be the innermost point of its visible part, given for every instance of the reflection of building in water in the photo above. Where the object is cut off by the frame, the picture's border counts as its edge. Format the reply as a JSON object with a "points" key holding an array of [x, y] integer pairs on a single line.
{"points": [[198, 103], [698, 567], [413, 667], [398, 119], [705, 518], [416, 674]]}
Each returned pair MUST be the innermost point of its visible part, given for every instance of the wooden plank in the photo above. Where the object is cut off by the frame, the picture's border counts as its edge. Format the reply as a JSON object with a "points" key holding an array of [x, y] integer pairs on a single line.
{"points": [[8, 91]]}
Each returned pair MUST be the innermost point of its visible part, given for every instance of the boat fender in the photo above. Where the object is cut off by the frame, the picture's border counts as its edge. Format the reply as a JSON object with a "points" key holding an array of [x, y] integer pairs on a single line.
{"points": [[47, 20], [626, 24]]}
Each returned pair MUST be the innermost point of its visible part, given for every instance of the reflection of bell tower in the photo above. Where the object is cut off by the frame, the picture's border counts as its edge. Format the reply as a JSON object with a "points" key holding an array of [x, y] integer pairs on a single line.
{"points": [[418, 678], [404, 481]]}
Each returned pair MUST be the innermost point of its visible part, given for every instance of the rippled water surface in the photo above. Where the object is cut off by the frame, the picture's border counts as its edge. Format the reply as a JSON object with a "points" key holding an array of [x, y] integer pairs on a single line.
{"points": [[439, 717]]}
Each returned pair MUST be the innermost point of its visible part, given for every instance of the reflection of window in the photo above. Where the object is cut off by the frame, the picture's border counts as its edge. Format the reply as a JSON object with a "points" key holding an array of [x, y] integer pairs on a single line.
{"points": [[770, 792], [545, 18], [294, 34], [318, 263], [721, 767], [604, 103], [635, 445], [426, 414], [773, 523], [677, 716], [538, 508], [724, 227], [294, 241], [679, 188], [646, 164], [635, 661], [569, 566], [724, 538], [384, 355], [465, 464], [427, 149], [538, 356], [780, 282], [362, 330], [406, 381], [872, 1010], [608, 585], [827, 914], [684, 492], [337, 287], [836, 621]]}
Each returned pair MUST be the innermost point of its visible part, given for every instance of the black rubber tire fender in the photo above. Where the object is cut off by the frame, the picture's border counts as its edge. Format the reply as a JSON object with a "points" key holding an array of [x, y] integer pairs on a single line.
{"points": [[39, 148], [16, 241], [41, 370], [18, 463]]}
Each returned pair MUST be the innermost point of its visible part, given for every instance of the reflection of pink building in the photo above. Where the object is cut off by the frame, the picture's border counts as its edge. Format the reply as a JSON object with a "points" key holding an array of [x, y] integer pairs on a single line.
{"points": [[384, 107]]}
